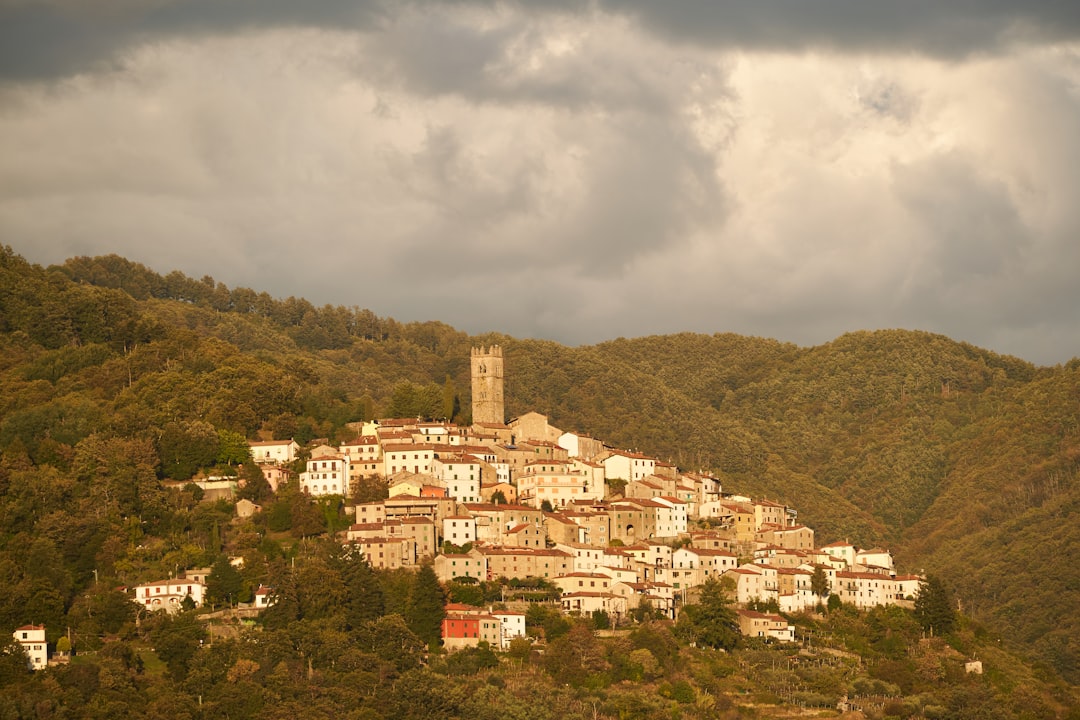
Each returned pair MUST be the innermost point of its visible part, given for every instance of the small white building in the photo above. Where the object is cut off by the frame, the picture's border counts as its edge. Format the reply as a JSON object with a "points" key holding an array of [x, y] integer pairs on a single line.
{"points": [[274, 452], [628, 466], [459, 529], [407, 457], [327, 473], [513, 625], [32, 639], [264, 597], [672, 518], [460, 476]]}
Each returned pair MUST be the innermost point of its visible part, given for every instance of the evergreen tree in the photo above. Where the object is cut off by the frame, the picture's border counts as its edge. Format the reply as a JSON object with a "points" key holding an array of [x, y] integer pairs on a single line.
{"points": [[712, 622], [256, 488], [224, 584], [366, 602], [934, 606], [427, 607], [819, 582]]}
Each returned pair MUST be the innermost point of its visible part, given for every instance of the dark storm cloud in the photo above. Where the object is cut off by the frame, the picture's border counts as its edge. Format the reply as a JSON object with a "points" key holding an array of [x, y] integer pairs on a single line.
{"points": [[944, 29], [42, 40], [49, 39], [596, 169]]}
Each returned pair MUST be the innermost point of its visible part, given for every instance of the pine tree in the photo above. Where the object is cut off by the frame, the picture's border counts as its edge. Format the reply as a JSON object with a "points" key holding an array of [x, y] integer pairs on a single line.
{"points": [[224, 584], [427, 607], [366, 602], [934, 606], [712, 622]]}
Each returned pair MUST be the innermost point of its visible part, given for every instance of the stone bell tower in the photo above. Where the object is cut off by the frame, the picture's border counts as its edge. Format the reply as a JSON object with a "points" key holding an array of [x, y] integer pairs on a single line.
{"points": [[487, 385]]}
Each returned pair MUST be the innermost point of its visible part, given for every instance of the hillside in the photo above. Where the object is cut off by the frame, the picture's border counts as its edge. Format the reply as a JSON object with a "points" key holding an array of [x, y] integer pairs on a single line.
{"points": [[961, 460]]}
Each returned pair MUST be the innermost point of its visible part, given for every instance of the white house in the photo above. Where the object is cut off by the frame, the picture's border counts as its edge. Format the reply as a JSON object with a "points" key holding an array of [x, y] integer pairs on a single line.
{"points": [[327, 473], [414, 458], [875, 559], [693, 566], [169, 594], [460, 476], [754, 582], [586, 603], [671, 520], [274, 452], [865, 590], [32, 639], [459, 529], [513, 625], [264, 597], [841, 551], [628, 466]]}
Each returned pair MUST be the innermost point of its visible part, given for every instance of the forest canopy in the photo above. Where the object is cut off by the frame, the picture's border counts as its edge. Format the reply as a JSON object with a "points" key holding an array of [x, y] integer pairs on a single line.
{"points": [[114, 379]]}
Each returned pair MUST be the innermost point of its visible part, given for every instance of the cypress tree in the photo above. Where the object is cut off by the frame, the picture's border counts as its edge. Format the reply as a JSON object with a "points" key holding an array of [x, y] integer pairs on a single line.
{"points": [[934, 606], [427, 607], [366, 602]]}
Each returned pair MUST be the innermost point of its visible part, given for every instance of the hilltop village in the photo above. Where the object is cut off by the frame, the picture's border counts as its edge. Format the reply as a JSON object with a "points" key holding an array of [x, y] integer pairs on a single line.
{"points": [[614, 531]]}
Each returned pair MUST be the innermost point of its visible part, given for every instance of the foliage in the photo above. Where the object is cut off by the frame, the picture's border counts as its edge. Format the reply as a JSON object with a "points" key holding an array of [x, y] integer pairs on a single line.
{"points": [[115, 377], [934, 606], [427, 607], [224, 585], [712, 621]]}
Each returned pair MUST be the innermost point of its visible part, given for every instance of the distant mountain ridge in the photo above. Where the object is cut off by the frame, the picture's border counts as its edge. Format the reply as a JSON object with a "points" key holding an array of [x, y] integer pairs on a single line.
{"points": [[965, 462]]}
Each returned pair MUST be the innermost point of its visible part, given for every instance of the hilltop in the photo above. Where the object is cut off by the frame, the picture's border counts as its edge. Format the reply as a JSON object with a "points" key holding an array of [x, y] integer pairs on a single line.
{"points": [[962, 460]]}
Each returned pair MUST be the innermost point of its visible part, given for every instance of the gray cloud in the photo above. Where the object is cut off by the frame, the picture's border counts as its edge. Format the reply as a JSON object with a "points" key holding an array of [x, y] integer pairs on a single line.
{"points": [[575, 173], [51, 38], [944, 29]]}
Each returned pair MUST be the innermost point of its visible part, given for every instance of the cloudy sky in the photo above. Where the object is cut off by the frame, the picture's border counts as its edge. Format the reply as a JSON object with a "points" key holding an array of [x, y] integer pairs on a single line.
{"points": [[576, 171]]}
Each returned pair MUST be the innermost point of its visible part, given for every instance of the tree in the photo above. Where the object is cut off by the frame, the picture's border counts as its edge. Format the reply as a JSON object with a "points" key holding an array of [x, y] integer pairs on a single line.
{"points": [[176, 639], [712, 622], [255, 488], [233, 448], [451, 402], [573, 657], [934, 606], [498, 498], [366, 602], [369, 489], [465, 593], [224, 584], [390, 639], [427, 607], [306, 517], [819, 582], [545, 621], [186, 447]]}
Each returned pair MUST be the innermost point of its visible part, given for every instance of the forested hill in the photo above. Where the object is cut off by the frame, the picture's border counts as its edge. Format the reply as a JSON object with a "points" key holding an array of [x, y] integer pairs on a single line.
{"points": [[964, 462]]}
